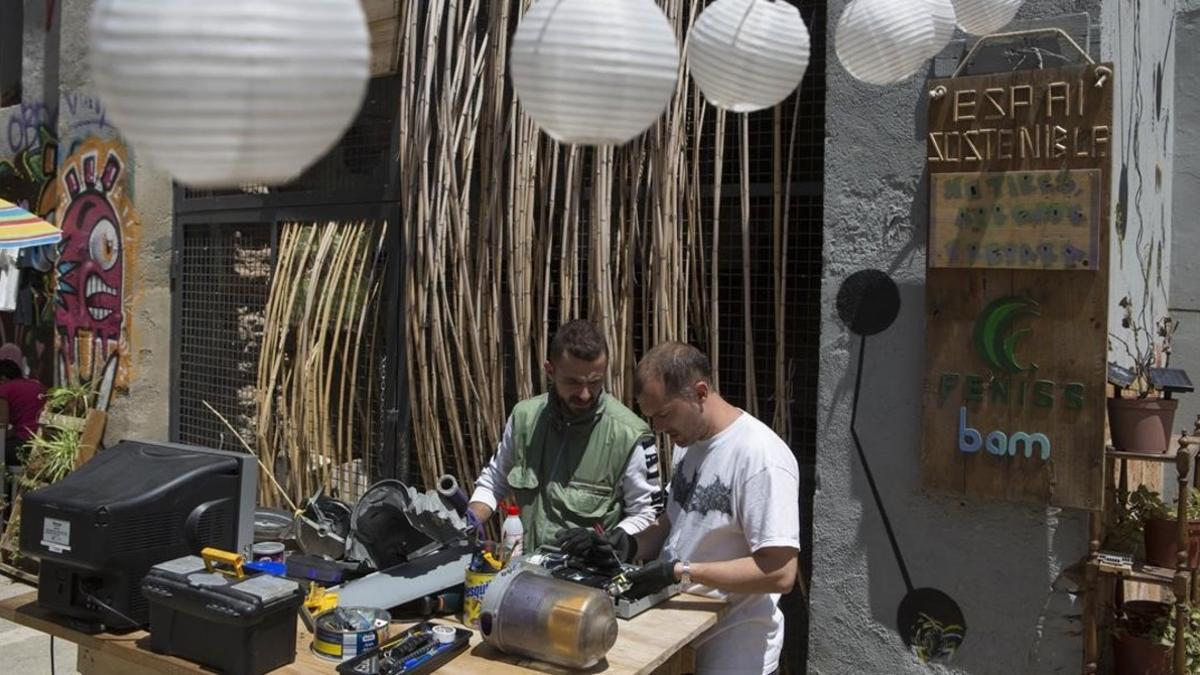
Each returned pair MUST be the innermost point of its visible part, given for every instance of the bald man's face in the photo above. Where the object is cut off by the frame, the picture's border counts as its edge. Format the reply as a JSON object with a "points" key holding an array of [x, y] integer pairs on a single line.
{"points": [[681, 418]]}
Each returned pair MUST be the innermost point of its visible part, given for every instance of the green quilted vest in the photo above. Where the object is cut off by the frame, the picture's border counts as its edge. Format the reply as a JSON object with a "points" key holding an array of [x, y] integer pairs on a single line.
{"points": [[567, 472]]}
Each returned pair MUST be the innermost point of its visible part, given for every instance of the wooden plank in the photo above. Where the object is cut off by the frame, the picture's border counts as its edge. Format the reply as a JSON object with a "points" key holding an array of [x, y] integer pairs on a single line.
{"points": [[383, 24], [65, 422], [91, 436], [648, 642], [90, 661], [1035, 384]]}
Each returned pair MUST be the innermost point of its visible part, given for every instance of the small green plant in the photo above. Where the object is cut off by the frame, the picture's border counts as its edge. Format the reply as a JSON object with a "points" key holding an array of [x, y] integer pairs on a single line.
{"points": [[1135, 509], [935, 641], [73, 399], [1148, 345], [51, 451], [50, 455], [1162, 631], [1144, 505]]}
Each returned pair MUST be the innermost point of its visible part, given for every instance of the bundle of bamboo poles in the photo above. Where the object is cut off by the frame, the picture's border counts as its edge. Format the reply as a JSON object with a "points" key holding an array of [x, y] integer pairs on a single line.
{"points": [[321, 321], [508, 234]]}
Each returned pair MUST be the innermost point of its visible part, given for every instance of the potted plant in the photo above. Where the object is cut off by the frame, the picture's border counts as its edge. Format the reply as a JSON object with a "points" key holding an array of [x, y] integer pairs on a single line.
{"points": [[1144, 639], [1144, 509], [1140, 643], [1140, 417], [50, 453]]}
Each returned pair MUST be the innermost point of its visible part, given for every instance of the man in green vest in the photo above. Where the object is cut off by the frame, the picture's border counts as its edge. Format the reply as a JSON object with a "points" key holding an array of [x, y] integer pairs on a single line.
{"points": [[574, 457]]}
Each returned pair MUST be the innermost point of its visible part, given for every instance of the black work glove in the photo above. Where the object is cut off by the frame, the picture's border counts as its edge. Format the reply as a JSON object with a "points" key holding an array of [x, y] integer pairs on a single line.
{"points": [[579, 542], [599, 551], [651, 578], [624, 545]]}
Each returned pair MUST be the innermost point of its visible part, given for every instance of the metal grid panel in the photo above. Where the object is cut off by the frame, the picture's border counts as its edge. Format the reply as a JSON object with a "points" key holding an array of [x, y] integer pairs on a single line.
{"points": [[224, 280], [359, 162]]}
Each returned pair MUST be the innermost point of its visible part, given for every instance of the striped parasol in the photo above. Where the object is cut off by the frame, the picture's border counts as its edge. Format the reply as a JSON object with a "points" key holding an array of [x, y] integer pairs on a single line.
{"points": [[20, 228]]}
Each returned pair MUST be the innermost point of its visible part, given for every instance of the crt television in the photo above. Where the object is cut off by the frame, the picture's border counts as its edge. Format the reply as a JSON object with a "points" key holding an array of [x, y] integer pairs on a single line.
{"points": [[101, 528]]}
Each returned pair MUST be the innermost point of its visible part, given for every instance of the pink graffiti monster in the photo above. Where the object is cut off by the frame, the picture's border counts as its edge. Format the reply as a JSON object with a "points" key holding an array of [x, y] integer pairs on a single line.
{"points": [[90, 263]]}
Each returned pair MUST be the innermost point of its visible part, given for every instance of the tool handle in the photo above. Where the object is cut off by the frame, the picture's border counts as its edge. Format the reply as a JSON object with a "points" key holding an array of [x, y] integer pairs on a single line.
{"points": [[214, 556]]}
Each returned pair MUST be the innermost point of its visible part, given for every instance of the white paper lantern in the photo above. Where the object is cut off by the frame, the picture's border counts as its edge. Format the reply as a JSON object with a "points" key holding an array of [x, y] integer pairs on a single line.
{"points": [[594, 73], [980, 17], [944, 21], [884, 41], [229, 92], [748, 55]]}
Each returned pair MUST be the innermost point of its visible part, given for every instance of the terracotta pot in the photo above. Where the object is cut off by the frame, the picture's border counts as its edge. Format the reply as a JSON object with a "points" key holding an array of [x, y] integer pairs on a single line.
{"points": [[1140, 615], [1160, 537], [1141, 424], [1136, 656]]}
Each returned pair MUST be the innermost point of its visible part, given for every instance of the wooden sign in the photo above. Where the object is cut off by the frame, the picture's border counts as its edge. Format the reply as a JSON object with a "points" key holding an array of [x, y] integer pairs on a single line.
{"points": [[1017, 285], [1016, 219]]}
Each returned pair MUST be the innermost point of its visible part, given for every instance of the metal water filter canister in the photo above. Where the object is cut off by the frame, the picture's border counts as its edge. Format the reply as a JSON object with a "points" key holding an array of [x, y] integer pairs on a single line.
{"points": [[528, 612]]}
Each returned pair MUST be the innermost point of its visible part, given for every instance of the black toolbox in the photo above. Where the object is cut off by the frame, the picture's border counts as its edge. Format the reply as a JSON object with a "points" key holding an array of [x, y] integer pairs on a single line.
{"points": [[240, 626]]}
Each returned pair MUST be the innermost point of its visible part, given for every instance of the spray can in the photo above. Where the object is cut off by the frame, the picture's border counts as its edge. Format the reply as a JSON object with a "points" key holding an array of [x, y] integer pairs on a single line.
{"points": [[513, 532]]}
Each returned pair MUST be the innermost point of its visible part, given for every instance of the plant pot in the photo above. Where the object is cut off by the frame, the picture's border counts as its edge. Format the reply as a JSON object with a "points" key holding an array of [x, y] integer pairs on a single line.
{"points": [[1137, 656], [1140, 615], [1141, 424], [1160, 536]]}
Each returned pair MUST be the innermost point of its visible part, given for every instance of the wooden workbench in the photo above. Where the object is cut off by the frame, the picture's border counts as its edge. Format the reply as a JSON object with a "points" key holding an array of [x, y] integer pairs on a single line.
{"points": [[655, 641]]}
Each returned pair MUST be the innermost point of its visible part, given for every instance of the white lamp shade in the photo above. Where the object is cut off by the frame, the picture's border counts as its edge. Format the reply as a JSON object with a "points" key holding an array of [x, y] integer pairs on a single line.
{"points": [[884, 41], [229, 92], [980, 17], [748, 55], [594, 72], [944, 20]]}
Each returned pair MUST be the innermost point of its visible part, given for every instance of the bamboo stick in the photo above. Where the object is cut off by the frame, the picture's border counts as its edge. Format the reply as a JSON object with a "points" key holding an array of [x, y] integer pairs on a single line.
{"points": [[494, 216]]}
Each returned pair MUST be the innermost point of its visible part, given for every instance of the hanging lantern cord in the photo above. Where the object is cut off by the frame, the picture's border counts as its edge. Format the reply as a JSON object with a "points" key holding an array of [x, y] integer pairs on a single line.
{"points": [[1023, 33]]}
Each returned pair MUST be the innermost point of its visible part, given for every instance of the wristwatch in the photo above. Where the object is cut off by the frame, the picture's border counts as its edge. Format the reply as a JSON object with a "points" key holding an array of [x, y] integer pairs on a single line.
{"points": [[685, 577]]}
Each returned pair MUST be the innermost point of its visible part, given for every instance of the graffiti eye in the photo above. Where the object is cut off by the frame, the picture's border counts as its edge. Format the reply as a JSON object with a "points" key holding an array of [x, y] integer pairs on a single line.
{"points": [[103, 245]]}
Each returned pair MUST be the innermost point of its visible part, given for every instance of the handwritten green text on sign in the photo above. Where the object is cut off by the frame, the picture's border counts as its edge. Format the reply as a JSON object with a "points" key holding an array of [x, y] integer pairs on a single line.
{"points": [[1035, 220]]}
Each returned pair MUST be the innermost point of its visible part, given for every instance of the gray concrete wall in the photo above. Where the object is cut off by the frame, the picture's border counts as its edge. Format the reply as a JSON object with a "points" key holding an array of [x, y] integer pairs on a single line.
{"points": [[61, 124], [1002, 563], [1139, 37], [1185, 253], [140, 200]]}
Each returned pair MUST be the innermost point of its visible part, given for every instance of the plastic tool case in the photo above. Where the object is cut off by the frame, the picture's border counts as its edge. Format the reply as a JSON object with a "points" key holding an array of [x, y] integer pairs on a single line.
{"points": [[241, 626]]}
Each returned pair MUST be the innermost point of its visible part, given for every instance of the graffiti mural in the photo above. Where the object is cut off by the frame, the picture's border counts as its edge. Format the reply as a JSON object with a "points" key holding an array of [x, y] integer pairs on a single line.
{"points": [[25, 124], [27, 178], [96, 278]]}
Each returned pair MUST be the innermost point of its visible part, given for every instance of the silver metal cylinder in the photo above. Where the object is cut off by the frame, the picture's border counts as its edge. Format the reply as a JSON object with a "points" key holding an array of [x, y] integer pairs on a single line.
{"points": [[448, 487], [528, 612]]}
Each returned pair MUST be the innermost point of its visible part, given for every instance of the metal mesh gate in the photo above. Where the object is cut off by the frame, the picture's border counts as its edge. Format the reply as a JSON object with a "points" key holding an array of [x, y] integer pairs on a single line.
{"points": [[225, 253], [223, 280]]}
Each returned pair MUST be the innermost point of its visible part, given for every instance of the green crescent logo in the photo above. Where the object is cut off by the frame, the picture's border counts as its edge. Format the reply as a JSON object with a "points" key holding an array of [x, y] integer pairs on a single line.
{"points": [[994, 337]]}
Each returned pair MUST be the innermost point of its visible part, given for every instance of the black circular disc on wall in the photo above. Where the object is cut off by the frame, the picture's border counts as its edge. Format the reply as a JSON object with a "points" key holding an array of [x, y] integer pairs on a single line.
{"points": [[868, 302], [931, 624]]}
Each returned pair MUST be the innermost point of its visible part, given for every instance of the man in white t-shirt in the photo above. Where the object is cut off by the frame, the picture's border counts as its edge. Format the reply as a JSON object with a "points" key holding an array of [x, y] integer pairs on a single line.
{"points": [[732, 524]]}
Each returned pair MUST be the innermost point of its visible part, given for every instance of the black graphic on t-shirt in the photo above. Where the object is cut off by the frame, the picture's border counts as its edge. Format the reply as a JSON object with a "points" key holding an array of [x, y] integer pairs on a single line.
{"points": [[681, 488], [716, 496]]}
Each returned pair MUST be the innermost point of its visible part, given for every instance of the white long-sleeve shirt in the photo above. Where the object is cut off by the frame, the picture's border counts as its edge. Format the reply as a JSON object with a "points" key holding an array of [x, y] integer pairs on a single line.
{"points": [[641, 485]]}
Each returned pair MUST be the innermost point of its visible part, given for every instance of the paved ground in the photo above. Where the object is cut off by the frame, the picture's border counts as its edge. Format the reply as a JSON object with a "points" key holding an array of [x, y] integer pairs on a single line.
{"points": [[26, 651]]}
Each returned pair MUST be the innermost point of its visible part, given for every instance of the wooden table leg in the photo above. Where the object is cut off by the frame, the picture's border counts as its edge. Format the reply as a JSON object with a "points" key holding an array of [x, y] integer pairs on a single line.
{"points": [[682, 662]]}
